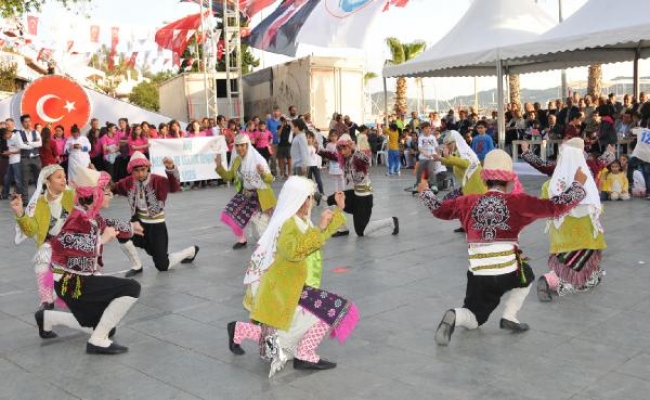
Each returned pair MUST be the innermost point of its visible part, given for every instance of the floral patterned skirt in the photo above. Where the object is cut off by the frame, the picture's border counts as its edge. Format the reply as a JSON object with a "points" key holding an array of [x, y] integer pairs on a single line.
{"points": [[240, 210], [337, 312]]}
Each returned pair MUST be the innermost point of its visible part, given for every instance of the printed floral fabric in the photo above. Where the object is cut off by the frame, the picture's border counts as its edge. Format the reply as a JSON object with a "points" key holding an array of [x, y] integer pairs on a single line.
{"points": [[326, 306]]}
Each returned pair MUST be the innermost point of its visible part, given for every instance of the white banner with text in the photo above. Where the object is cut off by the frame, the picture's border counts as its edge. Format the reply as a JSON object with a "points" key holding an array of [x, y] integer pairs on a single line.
{"points": [[194, 157]]}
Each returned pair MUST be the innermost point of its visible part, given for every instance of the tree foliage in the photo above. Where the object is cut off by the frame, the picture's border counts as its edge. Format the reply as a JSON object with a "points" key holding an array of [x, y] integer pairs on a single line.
{"points": [[401, 53], [15, 8], [8, 76], [145, 95]]}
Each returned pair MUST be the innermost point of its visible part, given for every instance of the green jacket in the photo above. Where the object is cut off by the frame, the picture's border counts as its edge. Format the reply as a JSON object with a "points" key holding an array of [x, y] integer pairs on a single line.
{"points": [[37, 226], [280, 287], [474, 184], [266, 195]]}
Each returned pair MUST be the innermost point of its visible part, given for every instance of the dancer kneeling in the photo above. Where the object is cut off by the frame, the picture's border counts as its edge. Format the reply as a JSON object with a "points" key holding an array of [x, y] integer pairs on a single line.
{"points": [[284, 279], [493, 222], [95, 301], [42, 220], [147, 194], [253, 179]]}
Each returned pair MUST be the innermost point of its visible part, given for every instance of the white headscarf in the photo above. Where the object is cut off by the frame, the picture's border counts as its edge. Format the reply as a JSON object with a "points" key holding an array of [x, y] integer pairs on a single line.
{"points": [[45, 173], [465, 152], [248, 166], [570, 159], [293, 195]]}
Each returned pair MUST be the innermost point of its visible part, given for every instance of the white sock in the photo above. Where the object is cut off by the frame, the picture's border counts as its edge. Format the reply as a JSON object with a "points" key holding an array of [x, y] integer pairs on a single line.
{"points": [[53, 318], [112, 316], [374, 226], [514, 302], [465, 318], [176, 258], [131, 253]]}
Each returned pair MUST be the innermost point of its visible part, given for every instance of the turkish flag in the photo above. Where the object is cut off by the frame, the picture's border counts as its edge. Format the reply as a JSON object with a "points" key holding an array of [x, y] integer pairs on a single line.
{"points": [[57, 100], [32, 25], [395, 3], [176, 35], [94, 33], [252, 7], [111, 60], [115, 37], [220, 49], [131, 62], [44, 55]]}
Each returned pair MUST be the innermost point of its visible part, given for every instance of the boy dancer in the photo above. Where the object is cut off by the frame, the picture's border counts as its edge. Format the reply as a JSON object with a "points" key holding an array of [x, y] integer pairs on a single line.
{"points": [[147, 194], [493, 222]]}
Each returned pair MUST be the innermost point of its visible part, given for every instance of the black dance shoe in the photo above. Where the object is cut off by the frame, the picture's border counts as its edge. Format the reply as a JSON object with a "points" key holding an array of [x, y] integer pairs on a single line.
{"points": [[239, 245], [459, 230], [189, 260], [543, 290], [234, 347], [341, 233], [514, 327], [113, 349], [47, 306], [133, 272], [395, 226], [321, 365], [446, 328], [39, 316]]}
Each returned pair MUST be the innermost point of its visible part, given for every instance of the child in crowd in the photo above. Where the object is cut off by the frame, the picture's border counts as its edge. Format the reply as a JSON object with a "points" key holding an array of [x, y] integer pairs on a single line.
{"points": [[262, 140], [616, 184], [315, 161], [334, 168], [362, 141]]}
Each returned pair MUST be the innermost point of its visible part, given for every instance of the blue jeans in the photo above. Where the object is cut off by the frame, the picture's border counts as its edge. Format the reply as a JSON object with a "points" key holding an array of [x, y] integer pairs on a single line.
{"points": [[14, 174], [393, 162], [642, 166]]}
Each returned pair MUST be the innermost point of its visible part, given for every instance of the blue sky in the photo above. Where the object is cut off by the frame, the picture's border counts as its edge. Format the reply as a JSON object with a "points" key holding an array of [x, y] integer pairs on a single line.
{"points": [[427, 20]]}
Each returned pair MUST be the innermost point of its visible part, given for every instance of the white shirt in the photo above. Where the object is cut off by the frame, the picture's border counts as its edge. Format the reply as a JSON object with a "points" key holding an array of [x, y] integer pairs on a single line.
{"points": [[642, 148], [14, 146], [33, 141]]}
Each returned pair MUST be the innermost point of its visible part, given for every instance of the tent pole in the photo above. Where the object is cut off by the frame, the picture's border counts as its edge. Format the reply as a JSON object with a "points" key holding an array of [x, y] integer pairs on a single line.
{"points": [[385, 103], [637, 53], [501, 121]]}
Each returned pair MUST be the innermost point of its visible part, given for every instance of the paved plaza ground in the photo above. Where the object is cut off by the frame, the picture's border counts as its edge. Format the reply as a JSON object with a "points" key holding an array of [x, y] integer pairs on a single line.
{"points": [[593, 345]]}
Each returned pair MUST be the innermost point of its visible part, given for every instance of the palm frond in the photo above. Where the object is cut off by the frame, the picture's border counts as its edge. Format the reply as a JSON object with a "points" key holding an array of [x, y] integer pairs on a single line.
{"points": [[396, 50]]}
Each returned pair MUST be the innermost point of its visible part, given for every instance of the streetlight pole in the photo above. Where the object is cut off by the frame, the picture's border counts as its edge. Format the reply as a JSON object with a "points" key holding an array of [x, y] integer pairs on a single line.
{"points": [[564, 84]]}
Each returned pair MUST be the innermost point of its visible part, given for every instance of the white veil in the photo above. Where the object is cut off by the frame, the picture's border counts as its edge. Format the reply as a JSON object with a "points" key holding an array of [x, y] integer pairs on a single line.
{"points": [[293, 195]]}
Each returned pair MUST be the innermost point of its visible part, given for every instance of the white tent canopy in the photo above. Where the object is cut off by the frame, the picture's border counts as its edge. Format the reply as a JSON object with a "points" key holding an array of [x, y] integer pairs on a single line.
{"points": [[470, 48], [601, 31]]}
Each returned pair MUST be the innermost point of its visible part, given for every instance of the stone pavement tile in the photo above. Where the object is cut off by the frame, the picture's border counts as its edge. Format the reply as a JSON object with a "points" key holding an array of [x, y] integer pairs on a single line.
{"points": [[20, 302], [338, 383], [20, 384], [536, 377], [165, 300], [214, 313], [195, 373], [590, 353], [626, 329], [616, 386], [16, 334], [570, 315], [638, 366], [392, 389], [162, 325]]}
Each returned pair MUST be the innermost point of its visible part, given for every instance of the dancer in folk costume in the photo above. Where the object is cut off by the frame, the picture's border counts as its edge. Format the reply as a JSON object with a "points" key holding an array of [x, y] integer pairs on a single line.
{"points": [[493, 222], [358, 189], [42, 220], [147, 195], [465, 163], [96, 302], [577, 239], [255, 197], [283, 285]]}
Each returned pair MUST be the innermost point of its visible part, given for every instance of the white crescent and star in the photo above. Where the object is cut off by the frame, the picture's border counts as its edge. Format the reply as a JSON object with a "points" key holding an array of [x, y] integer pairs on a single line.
{"points": [[69, 106]]}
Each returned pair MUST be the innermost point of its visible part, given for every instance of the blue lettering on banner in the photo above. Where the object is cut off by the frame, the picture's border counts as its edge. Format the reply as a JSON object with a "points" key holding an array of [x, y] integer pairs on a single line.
{"points": [[187, 146], [188, 175]]}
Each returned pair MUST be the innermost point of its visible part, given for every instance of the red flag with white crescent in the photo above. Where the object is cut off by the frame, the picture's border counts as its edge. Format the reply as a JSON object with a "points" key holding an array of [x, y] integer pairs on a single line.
{"points": [[115, 37], [57, 100]]}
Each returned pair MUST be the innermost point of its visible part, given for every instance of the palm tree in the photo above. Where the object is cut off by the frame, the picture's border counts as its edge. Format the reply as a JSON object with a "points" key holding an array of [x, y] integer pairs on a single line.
{"points": [[401, 53], [595, 81], [515, 92]]}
